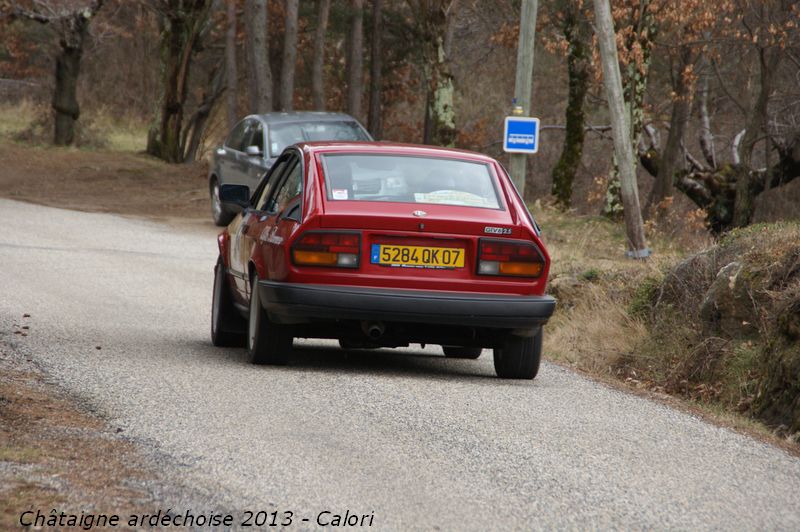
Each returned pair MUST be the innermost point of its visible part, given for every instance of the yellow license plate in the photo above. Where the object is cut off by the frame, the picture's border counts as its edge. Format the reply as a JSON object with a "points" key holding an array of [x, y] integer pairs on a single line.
{"points": [[417, 256]]}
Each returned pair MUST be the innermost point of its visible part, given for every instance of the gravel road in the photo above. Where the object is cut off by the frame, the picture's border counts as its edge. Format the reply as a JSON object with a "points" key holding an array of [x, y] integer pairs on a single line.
{"points": [[421, 441]]}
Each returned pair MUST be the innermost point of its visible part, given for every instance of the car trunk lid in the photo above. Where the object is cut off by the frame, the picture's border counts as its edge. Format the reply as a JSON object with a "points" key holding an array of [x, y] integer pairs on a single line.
{"points": [[418, 218]]}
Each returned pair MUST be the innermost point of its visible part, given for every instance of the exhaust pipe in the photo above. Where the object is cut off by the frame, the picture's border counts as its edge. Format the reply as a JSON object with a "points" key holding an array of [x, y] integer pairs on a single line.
{"points": [[373, 329]]}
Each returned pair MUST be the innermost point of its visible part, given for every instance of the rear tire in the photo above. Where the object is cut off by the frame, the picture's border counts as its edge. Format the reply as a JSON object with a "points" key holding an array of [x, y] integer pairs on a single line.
{"points": [[519, 357], [267, 342], [228, 328], [222, 216], [451, 351]]}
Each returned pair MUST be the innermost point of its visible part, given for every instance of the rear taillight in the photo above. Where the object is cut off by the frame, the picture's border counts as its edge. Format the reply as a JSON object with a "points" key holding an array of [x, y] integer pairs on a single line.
{"points": [[327, 249], [502, 257]]}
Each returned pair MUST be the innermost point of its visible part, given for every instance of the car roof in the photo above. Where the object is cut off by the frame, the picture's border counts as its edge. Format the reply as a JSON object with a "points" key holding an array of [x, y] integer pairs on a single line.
{"points": [[304, 116], [391, 148]]}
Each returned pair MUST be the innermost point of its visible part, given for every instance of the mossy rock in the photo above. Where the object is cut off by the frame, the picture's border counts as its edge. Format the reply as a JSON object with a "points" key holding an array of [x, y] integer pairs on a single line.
{"points": [[727, 308]]}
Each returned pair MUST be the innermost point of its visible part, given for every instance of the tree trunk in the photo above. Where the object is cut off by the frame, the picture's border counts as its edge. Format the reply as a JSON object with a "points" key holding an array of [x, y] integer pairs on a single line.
{"points": [[73, 30], [621, 129], [65, 102], [230, 65], [258, 53], [681, 107], [355, 60], [289, 56], [634, 87], [440, 100], [578, 73], [318, 60], [440, 90], [756, 123], [375, 124], [197, 123], [706, 136]]}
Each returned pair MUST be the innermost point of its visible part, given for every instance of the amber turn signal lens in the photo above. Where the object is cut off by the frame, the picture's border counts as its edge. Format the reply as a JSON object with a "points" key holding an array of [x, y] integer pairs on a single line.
{"points": [[315, 258], [532, 269]]}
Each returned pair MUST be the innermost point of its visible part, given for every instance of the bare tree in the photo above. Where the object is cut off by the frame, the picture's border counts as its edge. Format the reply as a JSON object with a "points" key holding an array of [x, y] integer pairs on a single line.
{"points": [[230, 64], [769, 57], [318, 60], [71, 21], [375, 124], [355, 59], [289, 56], [183, 23], [432, 19], [621, 128], [727, 190], [258, 56]]}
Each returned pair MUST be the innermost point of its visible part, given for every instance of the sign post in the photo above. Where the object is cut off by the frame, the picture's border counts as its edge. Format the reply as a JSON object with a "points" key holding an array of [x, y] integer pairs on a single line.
{"points": [[523, 83]]}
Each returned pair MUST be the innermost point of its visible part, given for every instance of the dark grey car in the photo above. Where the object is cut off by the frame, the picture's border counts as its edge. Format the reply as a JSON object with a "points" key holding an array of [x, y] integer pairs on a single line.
{"points": [[255, 142]]}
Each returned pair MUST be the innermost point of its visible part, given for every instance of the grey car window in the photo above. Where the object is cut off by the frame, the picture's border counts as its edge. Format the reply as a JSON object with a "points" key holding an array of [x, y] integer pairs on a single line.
{"points": [[258, 136], [283, 135], [238, 135]]}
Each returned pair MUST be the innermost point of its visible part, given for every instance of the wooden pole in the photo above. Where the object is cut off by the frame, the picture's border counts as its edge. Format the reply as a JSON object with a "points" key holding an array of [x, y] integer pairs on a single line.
{"points": [[524, 82], [620, 127]]}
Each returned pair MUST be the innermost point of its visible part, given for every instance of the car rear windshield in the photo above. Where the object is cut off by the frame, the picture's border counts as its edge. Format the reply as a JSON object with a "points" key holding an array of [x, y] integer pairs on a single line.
{"points": [[282, 135], [409, 179]]}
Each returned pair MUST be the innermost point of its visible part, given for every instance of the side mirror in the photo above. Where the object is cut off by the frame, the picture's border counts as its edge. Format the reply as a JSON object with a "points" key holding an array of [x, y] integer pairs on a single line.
{"points": [[235, 195], [253, 151]]}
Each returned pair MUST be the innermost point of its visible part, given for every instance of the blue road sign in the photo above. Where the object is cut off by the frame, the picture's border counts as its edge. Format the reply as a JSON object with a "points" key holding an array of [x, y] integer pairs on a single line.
{"points": [[521, 134]]}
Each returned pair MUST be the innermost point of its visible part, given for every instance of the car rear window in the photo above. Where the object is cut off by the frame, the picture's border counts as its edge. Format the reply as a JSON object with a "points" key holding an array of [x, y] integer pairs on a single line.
{"points": [[409, 179], [282, 135]]}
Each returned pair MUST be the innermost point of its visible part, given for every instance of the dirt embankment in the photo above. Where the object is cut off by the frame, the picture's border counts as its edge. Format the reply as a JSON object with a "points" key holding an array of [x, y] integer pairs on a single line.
{"points": [[54, 454], [714, 323], [102, 181], [725, 325]]}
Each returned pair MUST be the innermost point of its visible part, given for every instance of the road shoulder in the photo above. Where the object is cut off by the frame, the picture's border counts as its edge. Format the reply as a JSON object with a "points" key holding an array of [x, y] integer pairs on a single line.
{"points": [[55, 454]]}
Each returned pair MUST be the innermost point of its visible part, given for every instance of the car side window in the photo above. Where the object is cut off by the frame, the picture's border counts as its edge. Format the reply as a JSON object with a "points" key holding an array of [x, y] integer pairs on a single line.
{"points": [[291, 187], [273, 177], [258, 136], [238, 135]]}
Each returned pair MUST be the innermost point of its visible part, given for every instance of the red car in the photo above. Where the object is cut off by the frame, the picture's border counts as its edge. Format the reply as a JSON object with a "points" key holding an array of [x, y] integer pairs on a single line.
{"points": [[382, 245]]}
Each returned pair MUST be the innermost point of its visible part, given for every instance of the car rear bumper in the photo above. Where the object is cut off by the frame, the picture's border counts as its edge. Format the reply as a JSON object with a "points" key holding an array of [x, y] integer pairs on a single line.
{"points": [[298, 302]]}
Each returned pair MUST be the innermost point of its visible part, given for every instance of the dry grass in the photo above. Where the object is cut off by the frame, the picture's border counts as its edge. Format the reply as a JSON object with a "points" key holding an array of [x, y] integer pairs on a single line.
{"points": [[103, 128], [595, 285], [15, 117], [605, 332]]}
